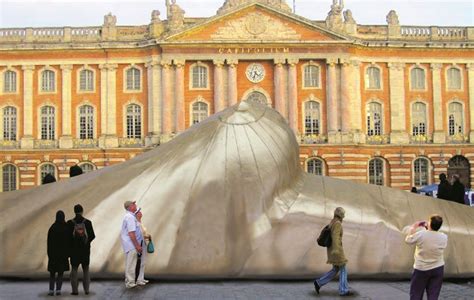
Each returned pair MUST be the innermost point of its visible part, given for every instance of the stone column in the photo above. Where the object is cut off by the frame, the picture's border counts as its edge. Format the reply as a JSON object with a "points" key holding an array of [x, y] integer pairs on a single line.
{"points": [[154, 103], [108, 101], [65, 141], [439, 136], [27, 141], [232, 80], [332, 101], [219, 97], [280, 95], [399, 134], [167, 97], [293, 95], [356, 104], [470, 72], [347, 87], [179, 96]]}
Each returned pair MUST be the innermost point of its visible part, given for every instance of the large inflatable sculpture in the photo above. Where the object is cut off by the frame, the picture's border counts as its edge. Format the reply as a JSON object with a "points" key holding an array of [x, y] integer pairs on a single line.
{"points": [[227, 198]]}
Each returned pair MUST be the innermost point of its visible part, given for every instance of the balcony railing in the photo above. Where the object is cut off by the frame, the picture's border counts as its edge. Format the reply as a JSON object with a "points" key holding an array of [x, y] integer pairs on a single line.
{"points": [[46, 144], [86, 143], [5, 145], [310, 139], [131, 143], [420, 139], [378, 139], [458, 138]]}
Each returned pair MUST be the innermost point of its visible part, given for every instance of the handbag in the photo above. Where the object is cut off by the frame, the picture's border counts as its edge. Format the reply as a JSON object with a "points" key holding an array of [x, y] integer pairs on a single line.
{"points": [[324, 239], [150, 248]]}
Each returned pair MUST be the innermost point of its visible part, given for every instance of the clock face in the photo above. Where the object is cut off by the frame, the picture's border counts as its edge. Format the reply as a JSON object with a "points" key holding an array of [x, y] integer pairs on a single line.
{"points": [[255, 73]]}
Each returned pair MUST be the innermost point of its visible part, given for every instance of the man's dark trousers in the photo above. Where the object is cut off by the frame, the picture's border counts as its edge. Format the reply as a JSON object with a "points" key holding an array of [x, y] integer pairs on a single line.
{"points": [[431, 280]]}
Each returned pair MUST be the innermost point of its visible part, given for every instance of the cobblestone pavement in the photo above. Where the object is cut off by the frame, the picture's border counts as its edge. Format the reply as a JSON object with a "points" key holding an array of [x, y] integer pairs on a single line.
{"points": [[295, 290]]}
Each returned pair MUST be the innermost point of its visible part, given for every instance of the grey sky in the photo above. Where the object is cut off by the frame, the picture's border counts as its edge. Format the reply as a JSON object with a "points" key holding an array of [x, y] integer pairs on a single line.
{"points": [[42, 13]]}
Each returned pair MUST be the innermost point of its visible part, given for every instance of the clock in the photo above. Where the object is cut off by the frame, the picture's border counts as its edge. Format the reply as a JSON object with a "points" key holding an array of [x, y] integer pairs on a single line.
{"points": [[255, 72]]}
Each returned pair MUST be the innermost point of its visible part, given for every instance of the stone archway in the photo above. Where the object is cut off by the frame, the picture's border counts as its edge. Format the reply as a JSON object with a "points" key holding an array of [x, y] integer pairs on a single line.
{"points": [[258, 97], [461, 166]]}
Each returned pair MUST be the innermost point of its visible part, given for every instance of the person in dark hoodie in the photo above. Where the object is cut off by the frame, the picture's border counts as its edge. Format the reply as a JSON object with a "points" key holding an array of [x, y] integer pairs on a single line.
{"points": [[444, 187], [458, 190], [58, 248], [81, 235]]}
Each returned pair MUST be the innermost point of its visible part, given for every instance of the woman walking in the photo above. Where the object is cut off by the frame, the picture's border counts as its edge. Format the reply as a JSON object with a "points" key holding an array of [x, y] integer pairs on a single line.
{"points": [[58, 252]]}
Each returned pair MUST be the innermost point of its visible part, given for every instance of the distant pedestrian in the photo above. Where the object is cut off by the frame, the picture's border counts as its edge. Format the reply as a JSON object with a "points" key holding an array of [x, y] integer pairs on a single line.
{"points": [[48, 178], [336, 257], [458, 190], [142, 260], [429, 261], [58, 252], [414, 190], [444, 188], [132, 242], [82, 235]]}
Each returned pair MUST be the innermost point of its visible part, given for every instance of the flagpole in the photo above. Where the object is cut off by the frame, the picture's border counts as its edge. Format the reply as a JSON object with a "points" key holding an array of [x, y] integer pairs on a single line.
{"points": [[294, 6]]}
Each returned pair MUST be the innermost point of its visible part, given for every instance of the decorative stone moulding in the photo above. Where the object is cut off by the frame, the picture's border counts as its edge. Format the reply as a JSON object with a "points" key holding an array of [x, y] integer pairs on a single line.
{"points": [[378, 139]]}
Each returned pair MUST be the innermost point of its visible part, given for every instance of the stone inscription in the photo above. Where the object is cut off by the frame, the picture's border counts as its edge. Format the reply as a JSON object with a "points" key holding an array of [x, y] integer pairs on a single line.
{"points": [[253, 50]]}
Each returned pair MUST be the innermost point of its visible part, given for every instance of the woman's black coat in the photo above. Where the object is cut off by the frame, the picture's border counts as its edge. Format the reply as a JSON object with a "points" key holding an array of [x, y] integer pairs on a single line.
{"points": [[58, 247]]}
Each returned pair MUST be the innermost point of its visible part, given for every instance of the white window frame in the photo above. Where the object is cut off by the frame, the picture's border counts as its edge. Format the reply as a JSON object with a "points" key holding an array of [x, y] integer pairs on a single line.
{"points": [[384, 171], [312, 99], [461, 79], [367, 79], [78, 80], [314, 158], [94, 167], [40, 80], [303, 72], [457, 101], [199, 99], [425, 72], [17, 176], [382, 116], [39, 171], [40, 119], [429, 170], [125, 79], [18, 115], [125, 123], [191, 72], [2, 81], [260, 90], [78, 120], [427, 113]]}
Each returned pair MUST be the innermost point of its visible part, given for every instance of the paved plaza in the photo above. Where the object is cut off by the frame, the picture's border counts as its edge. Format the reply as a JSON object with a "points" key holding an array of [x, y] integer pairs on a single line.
{"points": [[295, 290]]}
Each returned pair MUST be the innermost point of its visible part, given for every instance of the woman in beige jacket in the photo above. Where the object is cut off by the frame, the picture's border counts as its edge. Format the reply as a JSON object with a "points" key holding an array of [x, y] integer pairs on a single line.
{"points": [[336, 256]]}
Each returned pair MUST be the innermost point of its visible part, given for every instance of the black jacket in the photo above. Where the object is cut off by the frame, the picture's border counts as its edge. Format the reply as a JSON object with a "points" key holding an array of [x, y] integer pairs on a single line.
{"points": [[457, 192], [444, 190], [80, 252], [58, 247]]}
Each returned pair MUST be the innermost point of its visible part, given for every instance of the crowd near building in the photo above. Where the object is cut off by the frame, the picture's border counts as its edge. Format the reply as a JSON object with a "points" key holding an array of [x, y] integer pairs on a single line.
{"points": [[388, 104]]}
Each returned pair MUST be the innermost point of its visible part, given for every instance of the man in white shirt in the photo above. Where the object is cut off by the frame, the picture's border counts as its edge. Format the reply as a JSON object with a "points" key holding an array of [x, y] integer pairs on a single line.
{"points": [[429, 261], [132, 240]]}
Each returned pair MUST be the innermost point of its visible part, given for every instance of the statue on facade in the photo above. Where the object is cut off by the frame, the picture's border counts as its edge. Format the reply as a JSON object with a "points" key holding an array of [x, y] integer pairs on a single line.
{"points": [[155, 16], [175, 17], [334, 18], [231, 4], [392, 18], [110, 20], [348, 18]]}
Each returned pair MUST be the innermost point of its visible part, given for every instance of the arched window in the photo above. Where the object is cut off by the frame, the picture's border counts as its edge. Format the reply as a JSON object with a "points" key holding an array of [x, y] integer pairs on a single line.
{"points": [[421, 172], [47, 81], [47, 123], [374, 119], [376, 171], [86, 122], [454, 79], [9, 123], [87, 167], [86, 80], [200, 111], [46, 169], [311, 76], [9, 82], [455, 118], [312, 119], [133, 79], [199, 77], [418, 119], [257, 97], [315, 166], [134, 121], [417, 79], [373, 78], [9, 178]]}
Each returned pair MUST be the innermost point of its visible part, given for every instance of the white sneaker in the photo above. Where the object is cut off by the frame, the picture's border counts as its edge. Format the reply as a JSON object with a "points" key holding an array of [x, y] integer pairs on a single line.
{"points": [[130, 285], [144, 282]]}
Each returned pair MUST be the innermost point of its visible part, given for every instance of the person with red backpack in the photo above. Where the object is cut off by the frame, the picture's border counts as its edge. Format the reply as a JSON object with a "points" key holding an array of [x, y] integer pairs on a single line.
{"points": [[82, 234]]}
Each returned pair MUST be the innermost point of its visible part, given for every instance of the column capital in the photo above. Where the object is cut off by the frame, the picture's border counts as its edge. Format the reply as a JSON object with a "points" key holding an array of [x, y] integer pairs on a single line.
{"points": [[179, 63], [355, 63], [279, 62], [293, 61], [165, 64], [28, 67], [108, 67], [232, 62], [332, 61], [219, 63], [436, 66], [345, 62], [470, 67], [396, 66], [66, 68], [152, 64]]}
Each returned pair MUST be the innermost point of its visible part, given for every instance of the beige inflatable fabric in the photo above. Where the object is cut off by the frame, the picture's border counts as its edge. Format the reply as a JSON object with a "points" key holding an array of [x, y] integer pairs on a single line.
{"points": [[228, 199]]}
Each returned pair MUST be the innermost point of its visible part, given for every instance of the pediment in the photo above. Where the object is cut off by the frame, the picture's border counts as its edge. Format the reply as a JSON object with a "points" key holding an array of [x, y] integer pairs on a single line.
{"points": [[256, 23]]}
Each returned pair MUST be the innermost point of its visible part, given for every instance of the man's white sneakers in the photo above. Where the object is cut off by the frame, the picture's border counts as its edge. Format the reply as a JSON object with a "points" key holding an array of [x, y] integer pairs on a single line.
{"points": [[142, 282], [130, 285]]}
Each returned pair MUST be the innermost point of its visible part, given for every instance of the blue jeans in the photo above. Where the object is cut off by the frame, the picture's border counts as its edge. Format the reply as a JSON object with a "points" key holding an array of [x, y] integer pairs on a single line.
{"points": [[343, 284]]}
